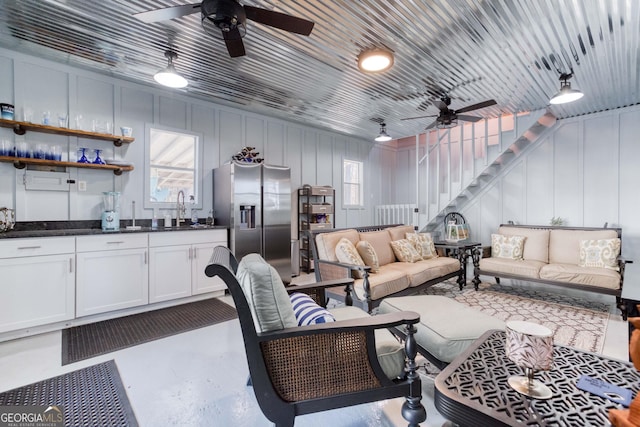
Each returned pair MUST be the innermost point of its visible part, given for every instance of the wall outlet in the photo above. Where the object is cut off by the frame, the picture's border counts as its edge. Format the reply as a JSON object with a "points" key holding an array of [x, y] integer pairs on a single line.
{"points": [[82, 185]]}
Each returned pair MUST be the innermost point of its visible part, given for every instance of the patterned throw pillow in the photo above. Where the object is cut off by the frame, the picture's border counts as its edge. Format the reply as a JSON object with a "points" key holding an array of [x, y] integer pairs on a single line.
{"points": [[404, 250], [347, 253], [368, 255], [307, 312], [510, 247], [423, 244], [599, 253]]}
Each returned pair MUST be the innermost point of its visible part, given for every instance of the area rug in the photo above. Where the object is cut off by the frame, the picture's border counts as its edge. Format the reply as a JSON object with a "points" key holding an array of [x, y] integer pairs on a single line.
{"points": [[575, 322], [93, 396], [94, 339]]}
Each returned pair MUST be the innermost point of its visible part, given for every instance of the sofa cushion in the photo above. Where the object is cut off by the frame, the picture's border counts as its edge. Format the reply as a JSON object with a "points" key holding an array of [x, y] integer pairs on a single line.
{"points": [[381, 243], [600, 253], [536, 245], [347, 253], [424, 270], [423, 244], [306, 310], [326, 243], [368, 255], [510, 247], [390, 352], [590, 276], [510, 266], [386, 282], [265, 293], [564, 245], [404, 251], [399, 232]]}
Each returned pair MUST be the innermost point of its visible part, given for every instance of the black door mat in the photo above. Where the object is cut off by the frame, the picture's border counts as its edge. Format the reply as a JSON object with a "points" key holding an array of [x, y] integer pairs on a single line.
{"points": [[94, 339], [93, 396]]}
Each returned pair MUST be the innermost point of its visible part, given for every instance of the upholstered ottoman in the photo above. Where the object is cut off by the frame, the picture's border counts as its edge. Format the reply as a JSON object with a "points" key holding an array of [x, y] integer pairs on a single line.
{"points": [[446, 327]]}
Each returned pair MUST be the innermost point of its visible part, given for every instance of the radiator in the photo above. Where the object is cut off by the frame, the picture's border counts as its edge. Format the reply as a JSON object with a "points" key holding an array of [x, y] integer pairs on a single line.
{"points": [[394, 214]]}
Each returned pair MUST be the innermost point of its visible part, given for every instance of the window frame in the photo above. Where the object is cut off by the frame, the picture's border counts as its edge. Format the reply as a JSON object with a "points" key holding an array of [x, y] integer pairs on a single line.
{"points": [[360, 184], [197, 168]]}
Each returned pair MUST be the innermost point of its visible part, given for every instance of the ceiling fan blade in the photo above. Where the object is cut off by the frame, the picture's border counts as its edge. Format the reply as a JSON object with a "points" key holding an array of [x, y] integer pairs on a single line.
{"points": [[279, 20], [432, 125], [467, 118], [442, 106], [477, 106], [419, 117], [233, 40], [167, 13]]}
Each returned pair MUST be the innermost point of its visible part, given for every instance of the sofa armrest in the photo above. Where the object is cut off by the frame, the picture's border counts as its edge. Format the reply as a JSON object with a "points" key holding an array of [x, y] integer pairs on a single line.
{"points": [[330, 270]]}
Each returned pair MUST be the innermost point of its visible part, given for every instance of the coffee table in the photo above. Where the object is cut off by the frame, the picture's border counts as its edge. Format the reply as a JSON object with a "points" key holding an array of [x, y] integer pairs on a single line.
{"points": [[460, 249], [473, 389]]}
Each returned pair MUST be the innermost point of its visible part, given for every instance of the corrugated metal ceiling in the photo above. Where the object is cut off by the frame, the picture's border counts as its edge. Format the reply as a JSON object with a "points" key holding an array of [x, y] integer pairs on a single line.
{"points": [[512, 51]]}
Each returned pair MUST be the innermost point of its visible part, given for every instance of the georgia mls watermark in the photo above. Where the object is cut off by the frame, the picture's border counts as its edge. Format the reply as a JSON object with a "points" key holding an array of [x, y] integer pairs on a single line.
{"points": [[31, 416]]}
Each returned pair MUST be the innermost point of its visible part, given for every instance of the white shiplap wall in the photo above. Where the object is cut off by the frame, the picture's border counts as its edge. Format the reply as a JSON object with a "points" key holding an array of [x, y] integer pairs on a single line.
{"points": [[314, 155]]}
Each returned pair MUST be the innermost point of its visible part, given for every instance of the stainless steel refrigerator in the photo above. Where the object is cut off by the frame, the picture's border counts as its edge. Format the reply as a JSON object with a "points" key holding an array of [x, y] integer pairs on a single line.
{"points": [[254, 201]]}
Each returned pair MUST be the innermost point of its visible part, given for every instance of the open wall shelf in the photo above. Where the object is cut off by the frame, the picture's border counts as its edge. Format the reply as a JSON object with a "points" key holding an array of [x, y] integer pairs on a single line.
{"points": [[21, 163], [21, 128]]}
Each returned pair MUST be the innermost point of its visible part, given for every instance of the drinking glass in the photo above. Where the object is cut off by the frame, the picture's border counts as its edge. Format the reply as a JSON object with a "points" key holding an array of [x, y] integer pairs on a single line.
{"points": [[22, 150], [41, 151], [62, 120], [83, 157], [98, 160]]}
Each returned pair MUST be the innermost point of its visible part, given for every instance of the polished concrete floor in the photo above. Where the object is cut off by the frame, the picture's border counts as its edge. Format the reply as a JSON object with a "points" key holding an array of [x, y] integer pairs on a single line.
{"points": [[198, 378]]}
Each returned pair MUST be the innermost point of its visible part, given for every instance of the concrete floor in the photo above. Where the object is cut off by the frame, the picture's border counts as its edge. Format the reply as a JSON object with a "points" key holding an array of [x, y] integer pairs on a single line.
{"points": [[198, 378]]}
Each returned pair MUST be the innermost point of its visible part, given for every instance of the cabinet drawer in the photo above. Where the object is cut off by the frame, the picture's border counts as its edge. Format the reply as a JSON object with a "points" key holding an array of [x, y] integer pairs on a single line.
{"points": [[171, 238], [107, 242], [15, 248], [317, 208]]}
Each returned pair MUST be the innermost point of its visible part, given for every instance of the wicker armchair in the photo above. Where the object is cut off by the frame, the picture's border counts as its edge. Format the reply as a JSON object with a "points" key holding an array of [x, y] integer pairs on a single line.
{"points": [[306, 369]]}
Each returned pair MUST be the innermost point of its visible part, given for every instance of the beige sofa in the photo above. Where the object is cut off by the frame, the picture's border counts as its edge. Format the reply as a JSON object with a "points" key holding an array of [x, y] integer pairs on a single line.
{"points": [[393, 278], [584, 258]]}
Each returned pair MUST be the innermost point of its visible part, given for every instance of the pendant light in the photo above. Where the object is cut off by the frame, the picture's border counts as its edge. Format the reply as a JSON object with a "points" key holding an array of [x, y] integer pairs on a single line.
{"points": [[566, 94], [169, 76], [383, 136]]}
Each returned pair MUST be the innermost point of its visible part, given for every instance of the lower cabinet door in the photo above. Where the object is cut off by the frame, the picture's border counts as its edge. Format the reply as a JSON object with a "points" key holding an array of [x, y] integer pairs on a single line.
{"points": [[36, 291], [201, 283], [169, 272], [111, 280]]}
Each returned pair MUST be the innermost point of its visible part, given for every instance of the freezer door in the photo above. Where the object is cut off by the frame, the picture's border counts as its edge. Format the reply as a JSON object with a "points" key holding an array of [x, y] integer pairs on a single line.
{"points": [[276, 216], [247, 225]]}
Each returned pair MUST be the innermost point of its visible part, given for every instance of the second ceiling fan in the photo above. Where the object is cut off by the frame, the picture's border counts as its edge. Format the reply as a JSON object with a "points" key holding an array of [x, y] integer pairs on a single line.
{"points": [[448, 117], [227, 19]]}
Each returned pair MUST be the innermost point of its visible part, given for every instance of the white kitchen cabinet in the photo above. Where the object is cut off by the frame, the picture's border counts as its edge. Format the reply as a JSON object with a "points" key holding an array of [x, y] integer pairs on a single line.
{"points": [[112, 272], [177, 261], [37, 285]]}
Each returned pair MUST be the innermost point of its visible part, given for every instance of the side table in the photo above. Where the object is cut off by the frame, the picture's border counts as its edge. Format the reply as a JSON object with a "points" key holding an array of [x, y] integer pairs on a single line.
{"points": [[473, 389], [461, 249]]}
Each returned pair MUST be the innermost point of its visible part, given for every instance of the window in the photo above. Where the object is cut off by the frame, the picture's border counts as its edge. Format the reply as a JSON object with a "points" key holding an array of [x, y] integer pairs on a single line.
{"points": [[172, 165], [352, 193]]}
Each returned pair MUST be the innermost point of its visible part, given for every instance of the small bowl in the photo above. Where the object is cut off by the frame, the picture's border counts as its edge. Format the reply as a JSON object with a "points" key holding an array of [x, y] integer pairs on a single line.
{"points": [[126, 131]]}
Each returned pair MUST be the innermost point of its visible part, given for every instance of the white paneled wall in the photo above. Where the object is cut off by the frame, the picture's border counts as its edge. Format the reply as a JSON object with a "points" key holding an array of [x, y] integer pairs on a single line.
{"points": [[315, 156]]}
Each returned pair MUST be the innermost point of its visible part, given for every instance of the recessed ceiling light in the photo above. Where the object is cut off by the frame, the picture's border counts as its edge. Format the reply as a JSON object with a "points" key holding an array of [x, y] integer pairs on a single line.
{"points": [[375, 60]]}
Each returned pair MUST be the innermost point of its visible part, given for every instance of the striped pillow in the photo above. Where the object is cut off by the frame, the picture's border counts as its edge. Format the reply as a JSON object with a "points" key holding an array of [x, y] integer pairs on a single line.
{"points": [[307, 312]]}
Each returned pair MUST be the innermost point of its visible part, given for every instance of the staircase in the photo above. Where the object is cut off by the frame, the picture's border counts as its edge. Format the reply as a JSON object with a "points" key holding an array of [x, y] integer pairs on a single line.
{"points": [[453, 180]]}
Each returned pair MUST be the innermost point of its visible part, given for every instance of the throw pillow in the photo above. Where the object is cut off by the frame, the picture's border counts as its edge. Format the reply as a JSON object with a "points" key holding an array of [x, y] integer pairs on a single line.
{"points": [[510, 247], [404, 250], [368, 255], [423, 244], [265, 293], [599, 253], [347, 253], [307, 312]]}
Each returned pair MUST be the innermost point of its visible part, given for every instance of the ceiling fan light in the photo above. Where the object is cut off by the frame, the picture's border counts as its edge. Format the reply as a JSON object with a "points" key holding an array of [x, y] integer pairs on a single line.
{"points": [[169, 76], [383, 136], [566, 94], [375, 60]]}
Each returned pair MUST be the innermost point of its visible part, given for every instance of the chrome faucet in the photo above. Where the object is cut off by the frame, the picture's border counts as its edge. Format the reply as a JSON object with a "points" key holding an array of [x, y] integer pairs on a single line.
{"points": [[180, 209]]}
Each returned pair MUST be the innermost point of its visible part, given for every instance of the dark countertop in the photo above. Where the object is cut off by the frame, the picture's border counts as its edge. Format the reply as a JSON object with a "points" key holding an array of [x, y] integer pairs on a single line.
{"points": [[85, 228]]}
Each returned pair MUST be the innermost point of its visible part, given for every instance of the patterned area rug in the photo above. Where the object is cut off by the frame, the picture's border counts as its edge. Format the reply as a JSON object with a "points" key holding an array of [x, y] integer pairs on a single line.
{"points": [[576, 322]]}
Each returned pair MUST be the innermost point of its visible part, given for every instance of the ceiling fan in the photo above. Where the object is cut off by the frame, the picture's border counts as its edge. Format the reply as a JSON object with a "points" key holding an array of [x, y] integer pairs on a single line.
{"points": [[449, 118], [227, 20]]}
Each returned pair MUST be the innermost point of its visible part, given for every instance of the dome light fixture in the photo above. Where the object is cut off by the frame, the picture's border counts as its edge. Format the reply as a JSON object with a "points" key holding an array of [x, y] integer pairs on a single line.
{"points": [[375, 60], [169, 76], [566, 94], [383, 136]]}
